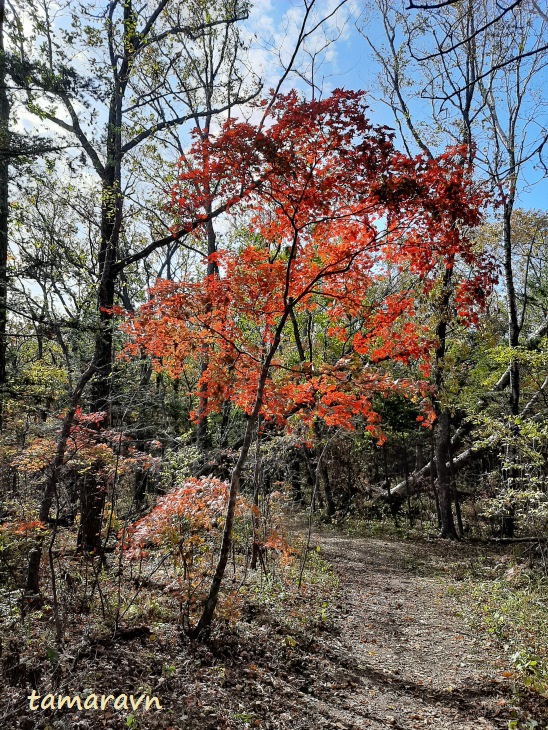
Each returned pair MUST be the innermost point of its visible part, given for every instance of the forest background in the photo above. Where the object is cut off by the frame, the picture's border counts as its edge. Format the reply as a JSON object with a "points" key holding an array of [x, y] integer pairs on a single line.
{"points": [[223, 291]]}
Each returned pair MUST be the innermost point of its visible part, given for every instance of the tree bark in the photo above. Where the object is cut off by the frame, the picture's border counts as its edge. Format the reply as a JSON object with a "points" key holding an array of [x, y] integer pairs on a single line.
{"points": [[328, 492], [35, 557], [511, 306], [508, 519], [92, 503], [204, 624], [92, 491], [4, 208], [92, 494], [443, 437], [443, 442]]}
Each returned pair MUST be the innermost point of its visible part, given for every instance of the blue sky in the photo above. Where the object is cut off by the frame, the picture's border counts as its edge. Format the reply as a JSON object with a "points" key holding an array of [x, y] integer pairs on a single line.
{"points": [[348, 62], [344, 59]]}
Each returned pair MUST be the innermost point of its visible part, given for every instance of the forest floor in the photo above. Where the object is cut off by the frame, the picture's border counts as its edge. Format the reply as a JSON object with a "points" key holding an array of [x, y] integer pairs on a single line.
{"points": [[409, 656], [388, 645]]}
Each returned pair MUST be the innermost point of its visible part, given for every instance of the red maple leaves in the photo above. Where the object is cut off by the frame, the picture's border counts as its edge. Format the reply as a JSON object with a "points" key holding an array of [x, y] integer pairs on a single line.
{"points": [[179, 516], [338, 237]]}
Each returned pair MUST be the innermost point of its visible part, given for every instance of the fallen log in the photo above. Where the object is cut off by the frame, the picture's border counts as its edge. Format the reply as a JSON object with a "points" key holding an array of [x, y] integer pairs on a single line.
{"points": [[463, 459], [414, 480], [509, 540]]}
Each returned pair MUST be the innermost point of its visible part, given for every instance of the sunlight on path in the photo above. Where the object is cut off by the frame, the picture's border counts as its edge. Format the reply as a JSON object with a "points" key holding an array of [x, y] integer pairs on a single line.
{"points": [[405, 658]]}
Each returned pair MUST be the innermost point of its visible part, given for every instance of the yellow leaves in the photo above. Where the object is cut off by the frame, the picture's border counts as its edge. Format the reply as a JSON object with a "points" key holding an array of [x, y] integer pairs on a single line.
{"points": [[44, 380], [35, 457]]}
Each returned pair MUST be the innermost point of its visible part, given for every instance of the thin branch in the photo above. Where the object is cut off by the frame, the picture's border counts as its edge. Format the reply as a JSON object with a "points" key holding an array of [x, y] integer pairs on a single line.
{"points": [[473, 35], [494, 68], [170, 123], [435, 6], [197, 31]]}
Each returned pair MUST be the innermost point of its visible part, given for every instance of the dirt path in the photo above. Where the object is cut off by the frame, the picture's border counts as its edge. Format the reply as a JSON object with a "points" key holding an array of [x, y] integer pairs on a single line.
{"points": [[390, 652], [402, 657]]}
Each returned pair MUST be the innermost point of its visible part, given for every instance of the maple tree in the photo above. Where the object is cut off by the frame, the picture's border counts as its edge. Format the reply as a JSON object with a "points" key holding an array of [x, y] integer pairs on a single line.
{"points": [[329, 320], [186, 524], [88, 452], [331, 209]]}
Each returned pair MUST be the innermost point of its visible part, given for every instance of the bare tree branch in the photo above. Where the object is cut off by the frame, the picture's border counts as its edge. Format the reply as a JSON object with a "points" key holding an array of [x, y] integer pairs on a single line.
{"points": [[434, 6], [176, 121], [497, 67], [473, 35]]}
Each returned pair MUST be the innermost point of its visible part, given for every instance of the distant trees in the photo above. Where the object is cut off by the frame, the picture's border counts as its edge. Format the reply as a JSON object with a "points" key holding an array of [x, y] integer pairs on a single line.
{"points": [[462, 58]]}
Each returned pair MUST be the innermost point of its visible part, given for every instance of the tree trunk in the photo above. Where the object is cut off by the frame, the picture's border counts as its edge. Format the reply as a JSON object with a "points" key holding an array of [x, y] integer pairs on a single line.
{"points": [[35, 556], [92, 491], [4, 208], [92, 503], [443, 438], [508, 519], [443, 444], [330, 503], [110, 233], [204, 624]]}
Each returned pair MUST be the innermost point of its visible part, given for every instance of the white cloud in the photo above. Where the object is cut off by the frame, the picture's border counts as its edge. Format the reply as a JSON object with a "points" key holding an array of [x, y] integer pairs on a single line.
{"points": [[273, 31]]}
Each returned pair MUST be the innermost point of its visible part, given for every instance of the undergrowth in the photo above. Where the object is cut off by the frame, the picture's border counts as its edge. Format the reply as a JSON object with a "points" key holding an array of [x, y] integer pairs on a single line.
{"points": [[513, 609], [508, 603]]}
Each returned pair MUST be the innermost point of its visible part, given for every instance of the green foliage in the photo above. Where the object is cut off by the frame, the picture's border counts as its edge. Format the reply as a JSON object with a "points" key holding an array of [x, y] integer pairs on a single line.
{"points": [[44, 380], [513, 609], [518, 486], [243, 717], [179, 462], [319, 572]]}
